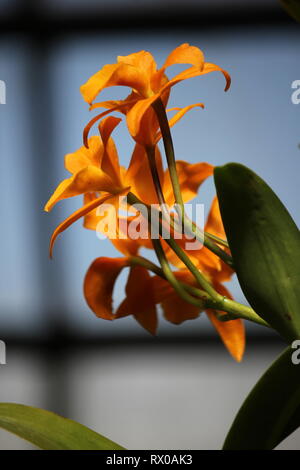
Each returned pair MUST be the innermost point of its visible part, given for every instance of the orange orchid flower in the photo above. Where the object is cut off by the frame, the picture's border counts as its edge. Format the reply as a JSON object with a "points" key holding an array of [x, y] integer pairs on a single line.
{"points": [[139, 301], [138, 177], [139, 72], [145, 292], [96, 170]]}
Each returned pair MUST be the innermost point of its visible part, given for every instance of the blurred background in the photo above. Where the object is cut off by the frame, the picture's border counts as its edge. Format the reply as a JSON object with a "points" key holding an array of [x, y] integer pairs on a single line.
{"points": [[181, 389]]}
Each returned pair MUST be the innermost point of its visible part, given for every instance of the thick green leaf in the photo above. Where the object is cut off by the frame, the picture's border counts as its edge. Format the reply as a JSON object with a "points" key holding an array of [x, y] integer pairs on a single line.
{"points": [[265, 246], [271, 411], [49, 431]]}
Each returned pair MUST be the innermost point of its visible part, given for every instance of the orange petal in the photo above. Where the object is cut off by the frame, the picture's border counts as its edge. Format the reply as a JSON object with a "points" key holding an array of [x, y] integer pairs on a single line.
{"points": [[139, 299], [208, 263], [99, 284], [138, 160], [120, 240], [200, 256], [83, 157], [195, 72], [142, 60], [142, 121], [215, 68], [112, 106], [87, 180], [107, 126], [176, 310], [138, 175], [214, 224], [231, 332], [77, 215], [185, 54], [178, 116], [182, 112], [110, 162], [124, 104], [119, 74], [161, 288], [127, 246], [91, 219]]}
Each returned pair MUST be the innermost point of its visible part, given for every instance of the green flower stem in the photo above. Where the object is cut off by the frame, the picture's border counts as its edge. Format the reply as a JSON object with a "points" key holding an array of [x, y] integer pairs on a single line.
{"points": [[206, 239], [169, 150], [200, 278], [235, 309], [171, 278], [141, 261], [216, 239], [150, 150], [222, 303], [170, 155], [167, 272]]}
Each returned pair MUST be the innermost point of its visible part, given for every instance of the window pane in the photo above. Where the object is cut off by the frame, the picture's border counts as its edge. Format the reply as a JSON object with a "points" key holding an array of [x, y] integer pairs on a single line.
{"points": [[19, 278]]}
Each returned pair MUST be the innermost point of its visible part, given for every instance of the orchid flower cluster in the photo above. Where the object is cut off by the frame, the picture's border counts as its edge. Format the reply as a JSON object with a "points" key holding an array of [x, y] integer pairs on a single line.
{"points": [[143, 206], [185, 281]]}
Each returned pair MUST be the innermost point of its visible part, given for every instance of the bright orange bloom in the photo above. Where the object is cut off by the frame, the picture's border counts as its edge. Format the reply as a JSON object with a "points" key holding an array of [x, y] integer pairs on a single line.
{"points": [[95, 170], [139, 72], [138, 177], [139, 302], [97, 174], [144, 292]]}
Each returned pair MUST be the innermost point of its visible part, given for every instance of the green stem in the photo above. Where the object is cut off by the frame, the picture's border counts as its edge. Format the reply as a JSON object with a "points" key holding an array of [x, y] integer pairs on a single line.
{"points": [[169, 150], [238, 310], [170, 155], [167, 272], [141, 261], [205, 238], [216, 239], [171, 278], [200, 278], [150, 150], [233, 308]]}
